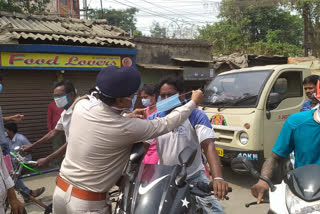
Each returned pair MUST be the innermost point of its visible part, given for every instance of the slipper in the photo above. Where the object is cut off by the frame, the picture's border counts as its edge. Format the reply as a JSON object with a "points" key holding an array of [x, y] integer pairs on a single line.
{"points": [[38, 192], [34, 193]]}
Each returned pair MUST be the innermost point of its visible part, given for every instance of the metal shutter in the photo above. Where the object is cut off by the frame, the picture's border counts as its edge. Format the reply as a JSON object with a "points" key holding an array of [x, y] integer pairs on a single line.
{"points": [[83, 80], [29, 93]]}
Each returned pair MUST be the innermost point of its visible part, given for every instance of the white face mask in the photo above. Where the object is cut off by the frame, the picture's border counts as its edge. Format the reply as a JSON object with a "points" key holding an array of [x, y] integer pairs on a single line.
{"points": [[129, 109], [62, 101]]}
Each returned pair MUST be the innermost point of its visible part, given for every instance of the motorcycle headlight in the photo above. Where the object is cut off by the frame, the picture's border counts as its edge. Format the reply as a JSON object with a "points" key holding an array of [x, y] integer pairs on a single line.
{"points": [[244, 138], [296, 205]]}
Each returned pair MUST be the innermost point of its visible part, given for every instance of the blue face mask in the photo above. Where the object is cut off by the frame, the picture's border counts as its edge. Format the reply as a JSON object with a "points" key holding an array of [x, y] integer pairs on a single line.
{"points": [[133, 102], [169, 103], [1, 87], [146, 102]]}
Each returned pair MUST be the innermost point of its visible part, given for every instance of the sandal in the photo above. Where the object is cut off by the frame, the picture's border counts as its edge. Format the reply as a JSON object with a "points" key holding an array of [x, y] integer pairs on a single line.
{"points": [[38, 192]]}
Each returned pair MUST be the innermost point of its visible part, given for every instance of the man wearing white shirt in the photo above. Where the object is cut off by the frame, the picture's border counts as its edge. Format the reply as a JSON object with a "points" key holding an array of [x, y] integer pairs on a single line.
{"points": [[64, 94]]}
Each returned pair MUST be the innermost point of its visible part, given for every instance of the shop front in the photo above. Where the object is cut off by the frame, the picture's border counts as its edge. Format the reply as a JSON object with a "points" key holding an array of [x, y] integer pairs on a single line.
{"points": [[30, 71]]}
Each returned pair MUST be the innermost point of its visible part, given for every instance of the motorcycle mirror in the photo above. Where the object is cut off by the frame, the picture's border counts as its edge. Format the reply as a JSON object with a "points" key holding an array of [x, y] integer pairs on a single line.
{"points": [[187, 156], [137, 152], [243, 166]]}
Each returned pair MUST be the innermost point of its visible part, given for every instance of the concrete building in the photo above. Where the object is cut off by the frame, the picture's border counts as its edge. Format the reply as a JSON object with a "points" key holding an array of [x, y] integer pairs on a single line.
{"points": [[188, 58]]}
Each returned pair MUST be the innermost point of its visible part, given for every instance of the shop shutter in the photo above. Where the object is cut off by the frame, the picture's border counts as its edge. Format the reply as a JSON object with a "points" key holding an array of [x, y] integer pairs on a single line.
{"points": [[29, 93], [82, 80]]}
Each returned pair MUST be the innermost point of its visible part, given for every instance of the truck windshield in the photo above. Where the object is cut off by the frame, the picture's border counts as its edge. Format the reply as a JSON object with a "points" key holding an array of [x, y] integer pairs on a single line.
{"points": [[237, 89]]}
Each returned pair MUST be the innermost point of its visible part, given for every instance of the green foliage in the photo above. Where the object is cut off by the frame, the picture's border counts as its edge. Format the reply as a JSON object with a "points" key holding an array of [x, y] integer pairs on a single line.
{"points": [[157, 31], [137, 33], [274, 46], [269, 29], [124, 19], [26, 6], [9, 7], [309, 10]]}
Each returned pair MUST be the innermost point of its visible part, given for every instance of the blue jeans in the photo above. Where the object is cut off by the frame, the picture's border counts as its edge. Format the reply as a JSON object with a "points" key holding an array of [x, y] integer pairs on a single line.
{"points": [[209, 204], [25, 190]]}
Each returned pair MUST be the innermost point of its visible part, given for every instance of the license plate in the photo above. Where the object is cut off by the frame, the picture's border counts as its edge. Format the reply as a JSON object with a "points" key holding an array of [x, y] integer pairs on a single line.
{"points": [[219, 151]]}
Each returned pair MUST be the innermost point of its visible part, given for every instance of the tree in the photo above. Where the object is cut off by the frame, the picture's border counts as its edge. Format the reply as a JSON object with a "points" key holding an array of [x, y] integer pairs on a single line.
{"points": [[26, 6], [310, 12], [9, 7], [246, 24], [182, 31], [124, 19], [158, 31]]}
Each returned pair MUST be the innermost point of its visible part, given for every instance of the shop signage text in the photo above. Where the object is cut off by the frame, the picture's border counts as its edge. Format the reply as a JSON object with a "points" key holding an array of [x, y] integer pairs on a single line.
{"points": [[58, 60]]}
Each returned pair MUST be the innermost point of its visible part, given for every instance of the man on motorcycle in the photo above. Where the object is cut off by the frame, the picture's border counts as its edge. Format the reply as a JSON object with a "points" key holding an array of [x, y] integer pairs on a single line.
{"points": [[64, 94], [298, 134], [101, 138], [195, 132]]}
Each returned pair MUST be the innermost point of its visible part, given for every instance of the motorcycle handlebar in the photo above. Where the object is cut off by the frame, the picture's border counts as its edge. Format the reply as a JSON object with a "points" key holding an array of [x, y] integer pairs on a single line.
{"points": [[31, 162], [208, 187]]}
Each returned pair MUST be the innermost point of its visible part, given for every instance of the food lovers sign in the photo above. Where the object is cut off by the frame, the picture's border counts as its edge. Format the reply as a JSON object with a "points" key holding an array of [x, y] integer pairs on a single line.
{"points": [[9, 59]]}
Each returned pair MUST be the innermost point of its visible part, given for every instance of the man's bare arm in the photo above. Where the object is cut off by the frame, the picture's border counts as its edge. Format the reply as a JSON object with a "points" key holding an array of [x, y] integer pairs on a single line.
{"points": [[270, 164], [268, 167], [60, 152], [49, 136], [219, 185]]}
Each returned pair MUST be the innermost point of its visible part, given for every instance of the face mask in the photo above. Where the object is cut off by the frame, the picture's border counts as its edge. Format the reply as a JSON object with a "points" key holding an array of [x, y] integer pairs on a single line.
{"points": [[133, 102], [1, 88], [62, 101], [146, 102], [169, 103]]}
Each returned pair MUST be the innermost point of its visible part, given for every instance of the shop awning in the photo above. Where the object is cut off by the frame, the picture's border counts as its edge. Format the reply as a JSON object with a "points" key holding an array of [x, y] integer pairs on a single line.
{"points": [[192, 60], [21, 29], [160, 67]]}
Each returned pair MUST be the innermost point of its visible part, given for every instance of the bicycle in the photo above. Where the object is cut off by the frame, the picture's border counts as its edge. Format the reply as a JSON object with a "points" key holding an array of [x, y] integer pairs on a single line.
{"points": [[20, 163]]}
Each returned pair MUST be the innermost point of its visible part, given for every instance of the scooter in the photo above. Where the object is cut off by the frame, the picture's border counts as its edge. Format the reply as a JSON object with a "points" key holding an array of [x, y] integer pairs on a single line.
{"points": [[159, 189], [298, 193]]}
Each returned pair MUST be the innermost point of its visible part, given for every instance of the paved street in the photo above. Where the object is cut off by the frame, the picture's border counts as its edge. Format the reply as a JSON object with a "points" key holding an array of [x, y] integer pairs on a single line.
{"points": [[238, 198]]}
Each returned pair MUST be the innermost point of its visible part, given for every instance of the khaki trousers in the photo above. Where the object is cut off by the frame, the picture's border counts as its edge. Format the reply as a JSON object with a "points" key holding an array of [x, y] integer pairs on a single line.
{"points": [[65, 203]]}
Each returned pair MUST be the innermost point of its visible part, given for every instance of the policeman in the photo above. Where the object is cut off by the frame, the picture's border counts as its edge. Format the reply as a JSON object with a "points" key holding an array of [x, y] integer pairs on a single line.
{"points": [[100, 140]]}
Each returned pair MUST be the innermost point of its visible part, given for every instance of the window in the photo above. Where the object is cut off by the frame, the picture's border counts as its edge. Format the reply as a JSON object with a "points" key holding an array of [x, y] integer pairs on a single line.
{"points": [[288, 85]]}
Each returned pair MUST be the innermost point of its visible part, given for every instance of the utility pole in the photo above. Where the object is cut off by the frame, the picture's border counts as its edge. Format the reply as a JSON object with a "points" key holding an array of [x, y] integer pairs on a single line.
{"points": [[85, 10], [102, 13]]}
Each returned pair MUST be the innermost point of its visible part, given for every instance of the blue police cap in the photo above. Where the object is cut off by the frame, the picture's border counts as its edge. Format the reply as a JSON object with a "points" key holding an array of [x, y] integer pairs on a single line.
{"points": [[118, 82]]}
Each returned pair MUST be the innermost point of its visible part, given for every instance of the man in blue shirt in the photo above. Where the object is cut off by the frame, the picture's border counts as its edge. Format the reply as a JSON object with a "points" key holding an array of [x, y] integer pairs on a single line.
{"points": [[309, 85], [301, 134], [16, 139], [197, 133]]}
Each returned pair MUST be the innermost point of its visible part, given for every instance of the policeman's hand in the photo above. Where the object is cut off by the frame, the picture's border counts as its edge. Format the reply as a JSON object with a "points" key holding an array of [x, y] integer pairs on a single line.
{"points": [[26, 147], [197, 96], [42, 162], [258, 190], [220, 188], [17, 117]]}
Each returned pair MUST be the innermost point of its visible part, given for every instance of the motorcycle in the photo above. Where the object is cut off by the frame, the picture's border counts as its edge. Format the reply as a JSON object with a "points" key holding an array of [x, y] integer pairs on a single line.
{"points": [[298, 193], [159, 189]]}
